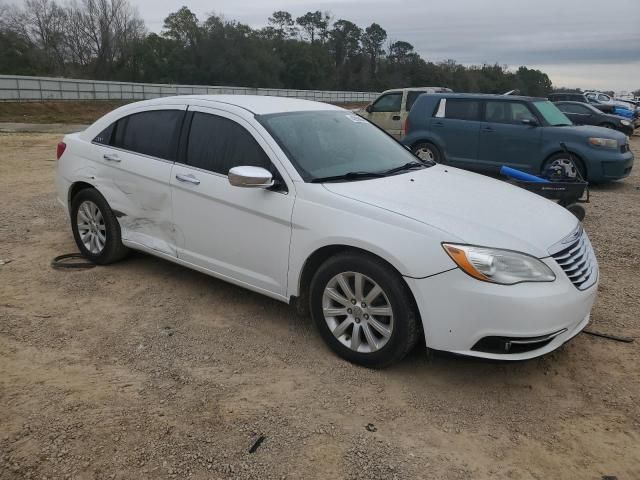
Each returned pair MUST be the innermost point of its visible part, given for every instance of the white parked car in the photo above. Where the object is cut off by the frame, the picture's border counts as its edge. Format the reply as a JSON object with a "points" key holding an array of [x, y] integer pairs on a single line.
{"points": [[309, 202]]}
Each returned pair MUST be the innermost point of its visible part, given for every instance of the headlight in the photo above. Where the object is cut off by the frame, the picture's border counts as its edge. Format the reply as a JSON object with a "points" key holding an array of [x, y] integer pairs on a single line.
{"points": [[498, 266], [626, 123], [603, 142]]}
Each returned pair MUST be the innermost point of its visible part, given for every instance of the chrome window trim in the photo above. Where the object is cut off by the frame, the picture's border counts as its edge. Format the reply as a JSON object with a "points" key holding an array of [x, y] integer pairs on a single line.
{"points": [[134, 153]]}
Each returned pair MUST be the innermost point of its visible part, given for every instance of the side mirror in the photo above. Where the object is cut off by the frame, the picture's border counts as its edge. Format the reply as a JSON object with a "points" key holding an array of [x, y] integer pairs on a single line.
{"points": [[250, 177], [369, 108], [530, 122]]}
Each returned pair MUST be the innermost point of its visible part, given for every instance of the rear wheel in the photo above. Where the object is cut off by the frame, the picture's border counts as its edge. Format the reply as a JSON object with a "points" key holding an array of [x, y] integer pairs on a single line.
{"points": [[95, 228], [363, 310], [427, 151]]}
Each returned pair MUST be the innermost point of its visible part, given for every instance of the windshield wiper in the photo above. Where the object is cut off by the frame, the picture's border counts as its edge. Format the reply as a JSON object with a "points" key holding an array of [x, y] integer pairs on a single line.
{"points": [[405, 167], [349, 176]]}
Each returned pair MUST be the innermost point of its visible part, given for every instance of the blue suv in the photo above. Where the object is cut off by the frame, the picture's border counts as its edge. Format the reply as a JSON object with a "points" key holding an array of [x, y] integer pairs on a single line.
{"points": [[484, 132]]}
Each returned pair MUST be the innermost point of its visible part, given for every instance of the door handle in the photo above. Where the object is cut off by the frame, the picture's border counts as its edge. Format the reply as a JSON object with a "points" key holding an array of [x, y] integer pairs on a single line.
{"points": [[487, 129], [395, 117], [438, 124], [111, 157], [188, 179]]}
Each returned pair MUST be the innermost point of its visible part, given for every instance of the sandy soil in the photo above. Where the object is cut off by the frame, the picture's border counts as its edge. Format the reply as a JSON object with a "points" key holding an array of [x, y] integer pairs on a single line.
{"points": [[145, 369]]}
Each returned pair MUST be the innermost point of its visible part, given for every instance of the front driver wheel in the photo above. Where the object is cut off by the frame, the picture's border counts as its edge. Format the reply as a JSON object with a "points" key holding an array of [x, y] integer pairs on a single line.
{"points": [[364, 310]]}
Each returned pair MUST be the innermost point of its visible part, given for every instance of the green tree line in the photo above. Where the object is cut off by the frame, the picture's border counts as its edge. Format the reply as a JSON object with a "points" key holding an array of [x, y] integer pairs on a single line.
{"points": [[107, 40]]}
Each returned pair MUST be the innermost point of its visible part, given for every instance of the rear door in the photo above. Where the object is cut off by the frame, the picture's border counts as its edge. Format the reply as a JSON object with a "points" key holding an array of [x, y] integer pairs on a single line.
{"points": [[506, 140], [386, 113], [457, 123], [240, 234], [135, 156]]}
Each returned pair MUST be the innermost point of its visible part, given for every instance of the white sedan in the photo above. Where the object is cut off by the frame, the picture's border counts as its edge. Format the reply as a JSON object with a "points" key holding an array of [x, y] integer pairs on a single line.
{"points": [[307, 202]]}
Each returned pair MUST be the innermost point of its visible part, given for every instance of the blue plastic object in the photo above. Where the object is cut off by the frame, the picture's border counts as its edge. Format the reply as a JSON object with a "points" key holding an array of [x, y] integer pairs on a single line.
{"points": [[623, 112], [522, 176]]}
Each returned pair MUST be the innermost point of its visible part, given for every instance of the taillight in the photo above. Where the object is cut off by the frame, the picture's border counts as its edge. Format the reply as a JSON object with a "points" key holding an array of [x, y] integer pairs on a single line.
{"points": [[406, 126], [60, 150]]}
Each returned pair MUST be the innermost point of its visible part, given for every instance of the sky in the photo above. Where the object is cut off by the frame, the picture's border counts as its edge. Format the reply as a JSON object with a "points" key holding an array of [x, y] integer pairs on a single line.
{"points": [[591, 44]]}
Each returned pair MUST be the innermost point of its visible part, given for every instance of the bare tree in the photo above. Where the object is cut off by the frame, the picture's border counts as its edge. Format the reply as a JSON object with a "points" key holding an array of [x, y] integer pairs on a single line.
{"points": [[101, 31]]}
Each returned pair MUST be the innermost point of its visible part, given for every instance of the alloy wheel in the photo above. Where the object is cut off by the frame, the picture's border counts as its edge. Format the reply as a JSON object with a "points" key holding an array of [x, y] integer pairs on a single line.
{"points": [[91, 227], [357, 312]]}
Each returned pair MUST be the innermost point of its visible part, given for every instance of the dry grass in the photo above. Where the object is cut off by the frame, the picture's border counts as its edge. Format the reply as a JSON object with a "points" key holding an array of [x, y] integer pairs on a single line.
{"points": [[56, 112], [73, 112]]}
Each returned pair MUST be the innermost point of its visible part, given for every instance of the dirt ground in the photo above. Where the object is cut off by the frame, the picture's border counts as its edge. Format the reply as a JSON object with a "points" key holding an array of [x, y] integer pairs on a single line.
{"points": [[145, 369]]}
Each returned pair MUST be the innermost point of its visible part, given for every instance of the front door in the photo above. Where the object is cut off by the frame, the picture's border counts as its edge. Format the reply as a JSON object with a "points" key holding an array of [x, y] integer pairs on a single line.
{"points": [[506, 140], [578, 114], [240, 234], [386, 113]]}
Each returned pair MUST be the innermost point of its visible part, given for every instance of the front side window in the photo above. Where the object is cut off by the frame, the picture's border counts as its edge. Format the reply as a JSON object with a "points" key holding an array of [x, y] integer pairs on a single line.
{"points": [[151, 133], [458, 109], [570, 108], [551, 114], [332, 143], [508, 112], [218, 144], [388, 103]]}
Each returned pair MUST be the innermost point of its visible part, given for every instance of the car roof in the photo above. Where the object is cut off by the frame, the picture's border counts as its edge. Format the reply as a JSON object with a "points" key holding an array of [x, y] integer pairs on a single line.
{"points": [[257, 104], [413, 89], [486, 96]]}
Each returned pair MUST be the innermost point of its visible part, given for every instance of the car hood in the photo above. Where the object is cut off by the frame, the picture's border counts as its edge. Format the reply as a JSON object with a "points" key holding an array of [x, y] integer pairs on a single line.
{"points": [[586, 131], [467, 207]]}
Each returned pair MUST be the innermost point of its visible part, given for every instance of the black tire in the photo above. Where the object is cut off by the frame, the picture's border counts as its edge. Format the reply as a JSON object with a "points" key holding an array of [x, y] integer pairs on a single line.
{"points": [[435, 154], [405, 331], [578, 211], [113, 249], [563, 156]]}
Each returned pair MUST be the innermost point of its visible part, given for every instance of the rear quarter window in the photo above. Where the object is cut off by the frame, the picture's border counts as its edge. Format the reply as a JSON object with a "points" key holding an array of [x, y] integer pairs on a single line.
{"points": [[458, 109]]}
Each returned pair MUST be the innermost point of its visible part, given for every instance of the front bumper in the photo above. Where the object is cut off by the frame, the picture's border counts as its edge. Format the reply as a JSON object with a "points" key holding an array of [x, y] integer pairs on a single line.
{"points": [[610, 166], [458, 312]]}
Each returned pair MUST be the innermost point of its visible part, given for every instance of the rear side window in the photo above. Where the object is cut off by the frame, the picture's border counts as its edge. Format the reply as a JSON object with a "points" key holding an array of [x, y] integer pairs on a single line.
{"points": [[151, 133], [458, 109], [105, 136], [411, 99], [218, 144]]}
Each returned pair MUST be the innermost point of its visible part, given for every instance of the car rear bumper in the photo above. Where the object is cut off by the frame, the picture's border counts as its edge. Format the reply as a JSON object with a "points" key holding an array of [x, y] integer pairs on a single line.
{"points": [[505, 322]]}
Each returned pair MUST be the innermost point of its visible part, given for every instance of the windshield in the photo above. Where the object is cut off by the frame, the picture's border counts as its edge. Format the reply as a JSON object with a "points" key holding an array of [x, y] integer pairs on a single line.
{"points": [[551, 114], [323, 144]]}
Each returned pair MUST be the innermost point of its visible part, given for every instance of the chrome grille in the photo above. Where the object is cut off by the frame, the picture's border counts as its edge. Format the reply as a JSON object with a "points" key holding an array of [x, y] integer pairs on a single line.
{"points": [[577, 260]]}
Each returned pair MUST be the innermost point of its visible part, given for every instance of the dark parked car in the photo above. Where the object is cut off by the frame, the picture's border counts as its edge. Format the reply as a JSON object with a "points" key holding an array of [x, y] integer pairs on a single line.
{"points": [[484, 132], [585, 114], [582, 98]]}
